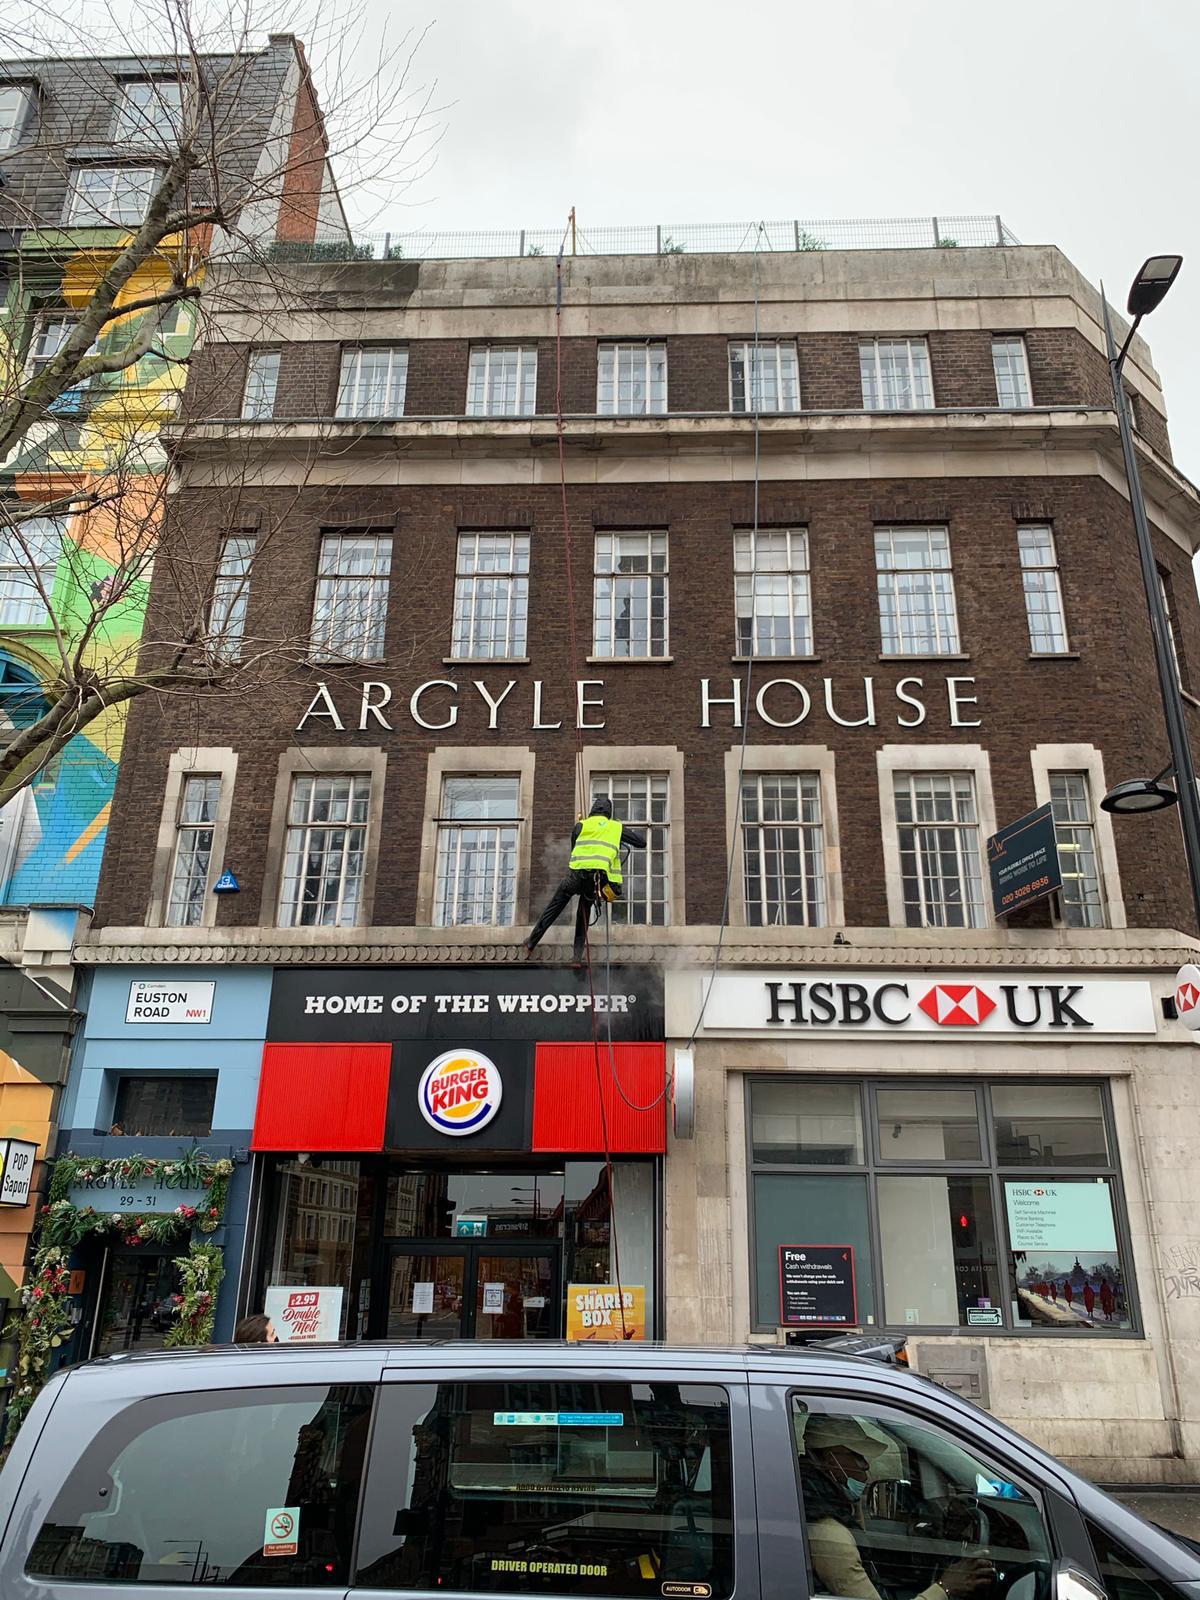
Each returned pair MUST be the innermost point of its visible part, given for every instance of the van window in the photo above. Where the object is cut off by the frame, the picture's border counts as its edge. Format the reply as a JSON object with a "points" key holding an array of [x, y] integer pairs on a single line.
{"points": [[1124, 1575], [894, 1510], [255, 1488], [587, 1488]]}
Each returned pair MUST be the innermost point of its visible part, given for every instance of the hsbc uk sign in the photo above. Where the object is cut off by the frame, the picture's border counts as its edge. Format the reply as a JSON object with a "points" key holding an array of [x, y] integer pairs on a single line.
{"points": [[958, 1005]]}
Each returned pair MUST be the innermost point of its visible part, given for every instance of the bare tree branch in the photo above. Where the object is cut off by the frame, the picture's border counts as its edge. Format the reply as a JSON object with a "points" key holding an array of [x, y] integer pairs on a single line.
{"points": [[118, 303]]}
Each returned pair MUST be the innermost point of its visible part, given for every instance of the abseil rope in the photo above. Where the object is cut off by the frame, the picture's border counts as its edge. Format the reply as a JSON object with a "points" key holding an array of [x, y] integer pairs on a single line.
{"points": [[579, 765]]}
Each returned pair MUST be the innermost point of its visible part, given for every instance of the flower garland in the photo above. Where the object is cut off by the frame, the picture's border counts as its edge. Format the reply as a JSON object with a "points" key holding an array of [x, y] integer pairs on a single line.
{"points": [[43, 1322], [200, 1271], [66, 1224]]}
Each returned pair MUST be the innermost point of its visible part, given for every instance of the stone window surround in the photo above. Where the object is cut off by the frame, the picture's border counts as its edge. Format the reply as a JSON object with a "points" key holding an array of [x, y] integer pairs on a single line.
{"points": [[789, 758], [649, 760], [1085, 758], [191, 762], [296, 762], [894, 758], [450, 761]]}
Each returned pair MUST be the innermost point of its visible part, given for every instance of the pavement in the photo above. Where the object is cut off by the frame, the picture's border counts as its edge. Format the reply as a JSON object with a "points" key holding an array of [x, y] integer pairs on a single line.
{"points": [[1178, 1509]]}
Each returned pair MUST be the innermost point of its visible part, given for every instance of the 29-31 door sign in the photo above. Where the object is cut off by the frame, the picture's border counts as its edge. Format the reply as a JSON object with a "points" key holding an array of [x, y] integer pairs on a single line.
{"points": [[816, 1285]]}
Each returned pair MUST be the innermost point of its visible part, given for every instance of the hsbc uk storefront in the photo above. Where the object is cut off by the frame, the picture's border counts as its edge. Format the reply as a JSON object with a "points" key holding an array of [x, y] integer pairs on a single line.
{"points": [[958, 1156], [432, 1153]]}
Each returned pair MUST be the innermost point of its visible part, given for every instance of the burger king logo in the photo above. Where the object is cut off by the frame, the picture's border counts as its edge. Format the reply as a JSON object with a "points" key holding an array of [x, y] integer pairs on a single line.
{"points": [[460, 1092]]}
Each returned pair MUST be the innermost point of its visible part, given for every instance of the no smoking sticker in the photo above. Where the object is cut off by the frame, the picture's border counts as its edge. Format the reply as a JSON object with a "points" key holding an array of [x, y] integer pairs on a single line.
{"points": [[281, 1531]]}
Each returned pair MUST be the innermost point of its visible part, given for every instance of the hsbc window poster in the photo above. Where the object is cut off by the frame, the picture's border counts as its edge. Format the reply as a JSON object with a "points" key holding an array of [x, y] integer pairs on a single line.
{"points": [[1059, 1216], [1067, 1267]]}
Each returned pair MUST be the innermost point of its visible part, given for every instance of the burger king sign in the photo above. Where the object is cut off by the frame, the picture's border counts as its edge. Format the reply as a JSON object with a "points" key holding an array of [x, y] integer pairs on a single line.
{"points": [[460, 1092]]}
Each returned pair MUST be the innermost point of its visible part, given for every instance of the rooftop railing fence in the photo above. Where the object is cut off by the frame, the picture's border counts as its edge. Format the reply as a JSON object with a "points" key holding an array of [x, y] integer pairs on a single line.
{"points": [[662, 239]]}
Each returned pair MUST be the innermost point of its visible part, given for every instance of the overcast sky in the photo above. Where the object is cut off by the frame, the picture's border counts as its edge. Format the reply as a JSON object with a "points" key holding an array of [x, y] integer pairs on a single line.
{"points": [[1077, 123]]}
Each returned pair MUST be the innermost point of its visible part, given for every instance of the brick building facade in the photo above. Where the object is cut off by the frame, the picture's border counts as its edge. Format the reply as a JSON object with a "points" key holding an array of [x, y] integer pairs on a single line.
{"points": [[854, 584]]}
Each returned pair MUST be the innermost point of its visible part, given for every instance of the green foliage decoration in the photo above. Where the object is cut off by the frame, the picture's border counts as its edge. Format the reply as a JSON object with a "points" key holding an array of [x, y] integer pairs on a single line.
{"points": [[200, 1272], [43, 1322]]}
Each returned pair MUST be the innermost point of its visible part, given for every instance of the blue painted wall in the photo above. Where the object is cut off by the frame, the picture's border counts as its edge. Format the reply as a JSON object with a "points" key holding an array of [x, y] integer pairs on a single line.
{"points": [[230, 1046]]}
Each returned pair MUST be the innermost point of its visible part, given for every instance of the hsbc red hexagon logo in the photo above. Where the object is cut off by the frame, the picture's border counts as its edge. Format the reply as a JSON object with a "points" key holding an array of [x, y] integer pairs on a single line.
{"points": [[1187, 996], [957, 1005]]}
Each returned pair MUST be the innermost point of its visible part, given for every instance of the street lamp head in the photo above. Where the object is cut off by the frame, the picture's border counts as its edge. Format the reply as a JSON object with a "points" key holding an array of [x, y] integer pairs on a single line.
{"points": [[1151, 284], [1138, 794]]}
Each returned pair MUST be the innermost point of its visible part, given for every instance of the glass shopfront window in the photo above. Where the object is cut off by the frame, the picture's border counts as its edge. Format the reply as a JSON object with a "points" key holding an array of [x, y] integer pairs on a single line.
{"points": [[989, 1207], [322, 1208], [508, 1205], [424, 1252]]}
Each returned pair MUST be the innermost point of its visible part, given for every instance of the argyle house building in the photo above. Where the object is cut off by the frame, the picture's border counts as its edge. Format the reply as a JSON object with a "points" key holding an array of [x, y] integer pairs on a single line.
{"points": [[842, 581]]}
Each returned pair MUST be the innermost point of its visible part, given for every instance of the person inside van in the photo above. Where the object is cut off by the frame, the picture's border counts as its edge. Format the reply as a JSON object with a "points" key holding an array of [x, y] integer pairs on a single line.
{"points": [[835, 1468]]}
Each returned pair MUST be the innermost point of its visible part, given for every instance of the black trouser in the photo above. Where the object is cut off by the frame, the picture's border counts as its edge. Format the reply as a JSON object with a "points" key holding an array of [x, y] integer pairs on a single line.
{"points": [[575, 882]]}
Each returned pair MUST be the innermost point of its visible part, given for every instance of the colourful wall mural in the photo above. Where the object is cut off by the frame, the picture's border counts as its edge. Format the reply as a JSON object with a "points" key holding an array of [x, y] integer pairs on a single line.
{"points": [[102, 445]]}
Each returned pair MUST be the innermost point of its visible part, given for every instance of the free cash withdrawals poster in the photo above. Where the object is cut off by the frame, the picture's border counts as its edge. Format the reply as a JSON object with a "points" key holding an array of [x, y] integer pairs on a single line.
{"points": [[816, 1285]]}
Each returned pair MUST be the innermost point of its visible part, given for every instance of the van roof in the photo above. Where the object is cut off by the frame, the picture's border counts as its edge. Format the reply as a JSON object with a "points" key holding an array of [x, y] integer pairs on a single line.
{"points": [[456, 1354]]}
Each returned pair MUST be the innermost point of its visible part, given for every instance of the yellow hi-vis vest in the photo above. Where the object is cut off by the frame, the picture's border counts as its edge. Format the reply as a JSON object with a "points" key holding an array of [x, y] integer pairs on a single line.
{"points": [[598, 847]]}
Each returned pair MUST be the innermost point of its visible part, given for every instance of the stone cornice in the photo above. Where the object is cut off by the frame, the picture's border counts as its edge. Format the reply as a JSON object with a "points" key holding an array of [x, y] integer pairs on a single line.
{"points": [[1144, 950], [805, 446]]}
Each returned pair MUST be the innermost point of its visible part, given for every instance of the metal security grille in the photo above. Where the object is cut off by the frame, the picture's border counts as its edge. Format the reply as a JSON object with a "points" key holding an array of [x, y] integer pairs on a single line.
{"points": [[262, 379], [231, 592], [630, 595], [164, 1108], [644, 801], [895, 375], [193, 851], [631, 380], [938, 828], [29, 556], [1081, 897], [1043, 590], [764, 376], [491, 595], [783, 850], [1011, 367], [477, 848], [774, 602], [502, 381], [917, 614], [350, 611], [324, 851], [372, 382]]}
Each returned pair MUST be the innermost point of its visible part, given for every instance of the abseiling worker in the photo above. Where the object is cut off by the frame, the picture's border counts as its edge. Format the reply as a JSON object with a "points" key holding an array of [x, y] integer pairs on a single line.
{"points": [[596, 843], [834, 1471]]}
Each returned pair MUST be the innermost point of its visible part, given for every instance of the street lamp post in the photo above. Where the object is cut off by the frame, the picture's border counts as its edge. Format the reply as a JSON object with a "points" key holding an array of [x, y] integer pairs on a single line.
{"points": [[1151, 284]]}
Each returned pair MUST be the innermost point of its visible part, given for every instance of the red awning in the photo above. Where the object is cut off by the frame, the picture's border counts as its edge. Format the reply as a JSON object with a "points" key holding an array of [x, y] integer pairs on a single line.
{"points": [[567, 1099], [323, 1097]]}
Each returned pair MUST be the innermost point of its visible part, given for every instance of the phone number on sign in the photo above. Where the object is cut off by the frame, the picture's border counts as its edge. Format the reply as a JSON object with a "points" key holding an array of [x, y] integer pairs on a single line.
{"points": [[1026, 890]]}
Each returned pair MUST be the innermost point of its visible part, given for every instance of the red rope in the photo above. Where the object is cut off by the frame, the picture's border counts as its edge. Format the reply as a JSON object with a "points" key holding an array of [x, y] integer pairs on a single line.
{"points": [[579, 773]]}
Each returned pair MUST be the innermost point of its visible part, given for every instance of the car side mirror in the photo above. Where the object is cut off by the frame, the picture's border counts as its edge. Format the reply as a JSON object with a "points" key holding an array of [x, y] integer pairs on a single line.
{"points": [[1072, 1584]]}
